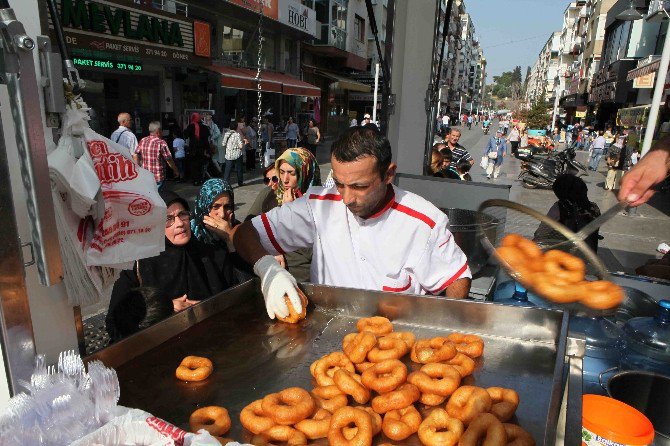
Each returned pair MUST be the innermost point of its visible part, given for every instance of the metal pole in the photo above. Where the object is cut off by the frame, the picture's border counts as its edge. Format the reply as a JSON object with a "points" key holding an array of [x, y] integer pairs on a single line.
{"points": [[374, 95], [658, 95], [460, 107], [553, 119]]}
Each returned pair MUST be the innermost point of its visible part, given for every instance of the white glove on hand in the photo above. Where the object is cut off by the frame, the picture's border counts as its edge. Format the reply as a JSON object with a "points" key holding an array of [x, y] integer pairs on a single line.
{"points": [[275, 283]]}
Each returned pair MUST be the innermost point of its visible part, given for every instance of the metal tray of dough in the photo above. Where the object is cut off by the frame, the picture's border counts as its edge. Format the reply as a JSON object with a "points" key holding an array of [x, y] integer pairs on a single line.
{"points": [[253, 356]]}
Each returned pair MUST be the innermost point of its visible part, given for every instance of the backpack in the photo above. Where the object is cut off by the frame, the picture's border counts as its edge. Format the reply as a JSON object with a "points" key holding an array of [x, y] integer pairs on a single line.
{"points": [[231, 153]]}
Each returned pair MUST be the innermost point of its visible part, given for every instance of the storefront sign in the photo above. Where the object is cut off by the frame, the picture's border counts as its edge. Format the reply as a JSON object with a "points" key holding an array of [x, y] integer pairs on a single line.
{"points": [[633, 116], [580, 114], [610, 84], [270, 8], [107, 64], [646, 81], [107, 30], [298, 16]]}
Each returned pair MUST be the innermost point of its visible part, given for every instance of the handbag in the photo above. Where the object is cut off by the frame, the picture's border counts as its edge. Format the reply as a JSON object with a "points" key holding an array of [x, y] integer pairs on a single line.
{"points": [[493, 155]]}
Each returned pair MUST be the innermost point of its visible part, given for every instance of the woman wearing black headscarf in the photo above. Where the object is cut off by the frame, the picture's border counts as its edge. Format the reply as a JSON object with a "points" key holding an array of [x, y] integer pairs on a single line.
{"points": [[199, 150], [187, 272], [573, 209]]}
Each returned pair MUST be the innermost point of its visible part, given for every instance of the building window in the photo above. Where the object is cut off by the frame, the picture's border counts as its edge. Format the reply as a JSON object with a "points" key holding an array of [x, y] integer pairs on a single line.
{"points": [[240, 46], [173, 6], [359, 28]]}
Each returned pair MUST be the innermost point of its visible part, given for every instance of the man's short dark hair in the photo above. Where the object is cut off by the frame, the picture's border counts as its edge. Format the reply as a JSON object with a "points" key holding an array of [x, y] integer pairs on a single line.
{"points": [[464, 166], [358, 142]]}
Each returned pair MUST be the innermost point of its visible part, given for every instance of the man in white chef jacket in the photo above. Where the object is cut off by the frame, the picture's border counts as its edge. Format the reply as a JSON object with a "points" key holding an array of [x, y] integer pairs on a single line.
{"points": [[365, 232]]}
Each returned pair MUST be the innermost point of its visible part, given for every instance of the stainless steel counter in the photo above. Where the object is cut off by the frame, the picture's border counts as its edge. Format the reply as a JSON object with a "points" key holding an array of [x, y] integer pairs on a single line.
{"points": [[253, 356]]}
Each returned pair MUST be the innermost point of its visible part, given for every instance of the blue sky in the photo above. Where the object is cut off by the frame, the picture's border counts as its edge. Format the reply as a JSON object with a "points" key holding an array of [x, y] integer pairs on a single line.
{"points": [[528, 23]]}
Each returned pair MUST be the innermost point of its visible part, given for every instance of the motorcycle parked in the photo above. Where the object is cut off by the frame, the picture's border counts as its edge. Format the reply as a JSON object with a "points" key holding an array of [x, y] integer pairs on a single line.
{"points": [[541, 173]]}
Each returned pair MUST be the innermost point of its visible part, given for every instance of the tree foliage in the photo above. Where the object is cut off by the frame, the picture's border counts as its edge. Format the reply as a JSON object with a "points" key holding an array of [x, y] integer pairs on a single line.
{"points": [[538, 118], [508, 84]]}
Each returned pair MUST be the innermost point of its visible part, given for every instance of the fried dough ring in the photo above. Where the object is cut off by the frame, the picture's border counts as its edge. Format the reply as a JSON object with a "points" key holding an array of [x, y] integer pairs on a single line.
{"points": [[350, 432], [330, 398], [402, 397], [388, 348], [343, 418], [437, 379], [600, 294], [431, 399], [469, 344], [350, 384], [550, 287], [293, 316], [527, 247], [450, 429], [316, 426], [194, 368], [564, 266], [357, 346], [288, 406], [326, 367], [285, 434], [213, 419], [485, 430], [463, 363], [437, 349], [467, 402], [377, 325], [254, 419], [516, 436], [401, 423], [406, 336], [505, 402], [385, 376]]}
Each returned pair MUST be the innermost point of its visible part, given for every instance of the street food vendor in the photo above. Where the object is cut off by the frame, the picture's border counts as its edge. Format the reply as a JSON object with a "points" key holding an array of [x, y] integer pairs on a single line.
{"points": [[366, 233]]}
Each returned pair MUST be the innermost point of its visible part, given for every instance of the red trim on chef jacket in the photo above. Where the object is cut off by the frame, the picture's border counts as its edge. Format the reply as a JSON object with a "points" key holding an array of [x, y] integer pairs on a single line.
{"points": [[412, 213], [268, 229], [451, 280], [398, 290], [331, 197], [449, 238], [386, 207]]}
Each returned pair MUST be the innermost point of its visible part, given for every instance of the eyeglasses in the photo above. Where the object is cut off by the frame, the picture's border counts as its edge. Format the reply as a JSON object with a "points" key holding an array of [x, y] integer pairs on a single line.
{"points": [[274, 179], [183, 216]]}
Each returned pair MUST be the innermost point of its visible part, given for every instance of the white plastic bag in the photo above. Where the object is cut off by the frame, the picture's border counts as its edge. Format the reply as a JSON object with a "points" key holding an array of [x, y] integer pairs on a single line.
{"points": [[135, 428], [484, 163]]}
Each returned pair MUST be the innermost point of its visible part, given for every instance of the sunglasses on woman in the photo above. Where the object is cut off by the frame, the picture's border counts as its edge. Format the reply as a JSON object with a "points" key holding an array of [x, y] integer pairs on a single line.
{"points": [[274, 179]]}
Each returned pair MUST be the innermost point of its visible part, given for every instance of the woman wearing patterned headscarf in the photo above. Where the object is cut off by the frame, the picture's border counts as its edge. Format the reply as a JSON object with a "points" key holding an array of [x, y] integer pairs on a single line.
{"points": [[297, 170], [214, 219]]}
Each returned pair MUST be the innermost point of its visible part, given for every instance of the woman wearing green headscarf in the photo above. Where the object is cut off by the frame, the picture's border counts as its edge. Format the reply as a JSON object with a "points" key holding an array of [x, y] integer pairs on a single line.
{"points": [[298, 171]]}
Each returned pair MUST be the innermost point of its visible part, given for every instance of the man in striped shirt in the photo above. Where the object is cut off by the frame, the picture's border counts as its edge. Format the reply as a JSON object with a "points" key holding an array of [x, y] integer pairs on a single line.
{"points": [[153, 152], [458, 151]]}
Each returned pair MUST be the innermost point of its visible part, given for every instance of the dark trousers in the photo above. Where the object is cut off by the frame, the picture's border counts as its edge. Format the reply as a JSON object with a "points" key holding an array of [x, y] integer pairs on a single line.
{"points": [[311, 148], [239, 169], [251, 159]]}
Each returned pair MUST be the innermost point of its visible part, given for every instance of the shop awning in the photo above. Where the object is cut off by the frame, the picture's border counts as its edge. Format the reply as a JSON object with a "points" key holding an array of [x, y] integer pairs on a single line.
{"points": [[644, 70], [344, 83], [245, 79]]}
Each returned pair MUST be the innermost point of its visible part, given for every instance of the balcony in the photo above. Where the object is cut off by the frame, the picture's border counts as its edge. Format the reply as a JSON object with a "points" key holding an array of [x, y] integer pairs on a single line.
{"points": [[331, 35]]}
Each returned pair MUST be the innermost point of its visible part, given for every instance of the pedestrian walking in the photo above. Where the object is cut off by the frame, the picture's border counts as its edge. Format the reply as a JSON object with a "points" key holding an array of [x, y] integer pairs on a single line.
{"points": [[124, 134], [252, 142], [313, 136], [292, 131], [598, 148], [495, 151], [514, 139], [267, 135], [198, 148], [233, 145], [179, 147], [152, 154], [612, 162]]}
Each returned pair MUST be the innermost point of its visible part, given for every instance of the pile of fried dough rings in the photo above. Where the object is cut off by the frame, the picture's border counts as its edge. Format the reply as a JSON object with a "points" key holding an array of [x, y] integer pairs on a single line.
{"points": [[366, 389], [556, 275]]}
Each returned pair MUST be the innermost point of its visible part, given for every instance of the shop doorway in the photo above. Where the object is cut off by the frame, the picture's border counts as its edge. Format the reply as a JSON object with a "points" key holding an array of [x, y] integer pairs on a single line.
{"points": [[110, 94]]}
